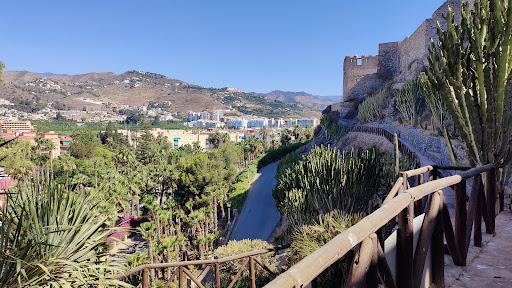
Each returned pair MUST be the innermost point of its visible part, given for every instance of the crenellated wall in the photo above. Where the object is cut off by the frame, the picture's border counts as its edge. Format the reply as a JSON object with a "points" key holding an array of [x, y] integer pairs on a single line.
{"points": [[355, 68], [396, 61]]}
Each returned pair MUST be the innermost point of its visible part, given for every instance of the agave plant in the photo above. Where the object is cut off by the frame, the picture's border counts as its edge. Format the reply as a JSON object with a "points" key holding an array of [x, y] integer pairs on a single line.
{"points": [[52, 237]]}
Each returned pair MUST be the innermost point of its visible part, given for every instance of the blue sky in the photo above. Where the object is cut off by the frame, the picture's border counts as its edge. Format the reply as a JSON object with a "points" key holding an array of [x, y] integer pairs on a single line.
{"points": [[255, 46]]}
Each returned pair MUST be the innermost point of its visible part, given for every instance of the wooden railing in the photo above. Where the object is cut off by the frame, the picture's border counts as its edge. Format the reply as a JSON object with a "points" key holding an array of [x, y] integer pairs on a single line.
{"points": [[181, 270], [388, 135], [367, 263]]}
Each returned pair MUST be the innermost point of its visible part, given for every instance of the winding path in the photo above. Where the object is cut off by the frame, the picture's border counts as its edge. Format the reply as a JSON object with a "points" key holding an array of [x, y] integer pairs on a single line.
{"points": [[259, 216]]}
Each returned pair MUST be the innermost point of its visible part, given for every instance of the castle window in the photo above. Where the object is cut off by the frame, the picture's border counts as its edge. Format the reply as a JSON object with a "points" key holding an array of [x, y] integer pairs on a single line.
{"points": [[359, 62]]}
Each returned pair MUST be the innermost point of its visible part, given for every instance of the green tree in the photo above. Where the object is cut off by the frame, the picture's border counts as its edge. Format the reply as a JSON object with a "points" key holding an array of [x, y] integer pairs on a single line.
{"points": [[67, 165], [84, 144]]}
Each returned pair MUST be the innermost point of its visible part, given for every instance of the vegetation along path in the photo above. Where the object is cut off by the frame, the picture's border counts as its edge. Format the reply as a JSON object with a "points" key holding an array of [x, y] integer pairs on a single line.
{"points": [[259, 215]]}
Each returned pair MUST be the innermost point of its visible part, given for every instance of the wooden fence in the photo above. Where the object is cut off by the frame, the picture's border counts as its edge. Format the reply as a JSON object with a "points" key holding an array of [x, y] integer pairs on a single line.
{"points": [[367, 265], [388, 135], [182, 272]]}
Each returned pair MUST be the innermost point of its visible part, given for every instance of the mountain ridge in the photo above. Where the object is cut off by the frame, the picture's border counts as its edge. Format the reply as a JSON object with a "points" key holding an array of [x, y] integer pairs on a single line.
{"points": [[137, 88], [318, 102]]}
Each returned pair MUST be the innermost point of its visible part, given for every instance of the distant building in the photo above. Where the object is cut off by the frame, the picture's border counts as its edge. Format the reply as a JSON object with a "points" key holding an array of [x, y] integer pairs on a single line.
{"points": [[17, 126], [307, 122], [237, 122]]}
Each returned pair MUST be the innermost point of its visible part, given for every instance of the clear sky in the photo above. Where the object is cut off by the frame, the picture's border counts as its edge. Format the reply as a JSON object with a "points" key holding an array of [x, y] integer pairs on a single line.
{"points": [[254, 46]]}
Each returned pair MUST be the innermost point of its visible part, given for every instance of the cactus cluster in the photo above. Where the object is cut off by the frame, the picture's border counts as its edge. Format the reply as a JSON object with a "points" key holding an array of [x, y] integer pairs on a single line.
{"points": [[371, 109], [471, 67], [326, 180], [332, 126], [410, 100]]}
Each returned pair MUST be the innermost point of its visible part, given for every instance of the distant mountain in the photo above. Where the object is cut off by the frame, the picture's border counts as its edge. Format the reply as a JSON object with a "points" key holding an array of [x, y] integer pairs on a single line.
{"points": [[106, 91], [49, 74], [319, 102]]}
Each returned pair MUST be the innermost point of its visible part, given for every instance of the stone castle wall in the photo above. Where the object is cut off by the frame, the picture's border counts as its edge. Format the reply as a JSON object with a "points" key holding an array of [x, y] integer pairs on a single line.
{"points": [[355, 68], [398, 61]]}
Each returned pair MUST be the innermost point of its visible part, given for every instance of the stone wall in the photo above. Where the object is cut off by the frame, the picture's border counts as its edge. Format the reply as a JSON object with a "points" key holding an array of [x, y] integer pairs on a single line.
{"points": [[355, 68], [396, 61], [389, 60]]}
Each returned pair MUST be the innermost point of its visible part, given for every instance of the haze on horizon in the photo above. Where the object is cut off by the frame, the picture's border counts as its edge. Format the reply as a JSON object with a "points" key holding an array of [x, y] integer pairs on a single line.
{"points": [[255, 46]]}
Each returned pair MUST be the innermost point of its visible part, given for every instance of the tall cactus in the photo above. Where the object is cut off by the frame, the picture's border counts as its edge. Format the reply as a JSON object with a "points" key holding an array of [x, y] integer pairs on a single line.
{"points": [[326, 180], [410, 100], [471, 67]]}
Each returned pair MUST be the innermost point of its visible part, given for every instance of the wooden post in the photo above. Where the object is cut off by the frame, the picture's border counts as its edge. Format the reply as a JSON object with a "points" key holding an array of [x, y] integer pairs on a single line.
{"points": [[490, 186], [425, 238], [182, 283], [405, 247], [472, 207], [489, 228], [372, 279], [460, 219], [217, 275], [437, 246], [145, 278], [450, 236], [252, 272], [359, 269], [384, 271], [477, 234]]}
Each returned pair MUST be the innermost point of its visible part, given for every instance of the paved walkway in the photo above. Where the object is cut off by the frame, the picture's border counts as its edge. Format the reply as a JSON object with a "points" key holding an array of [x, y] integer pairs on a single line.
{"points": [[491, 265], [259, 216]]}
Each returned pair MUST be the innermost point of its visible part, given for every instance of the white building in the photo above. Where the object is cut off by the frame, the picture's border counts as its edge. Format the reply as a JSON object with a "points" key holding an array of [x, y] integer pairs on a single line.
{"points": [[237, 122]]}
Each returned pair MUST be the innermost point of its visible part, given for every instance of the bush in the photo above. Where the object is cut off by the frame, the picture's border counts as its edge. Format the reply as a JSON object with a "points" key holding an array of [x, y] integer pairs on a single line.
{"points": [[274, 155], [238, 191], [308, 238], [410, 100], [327, 180], [371, 110], [332, 126], [229, 269]]}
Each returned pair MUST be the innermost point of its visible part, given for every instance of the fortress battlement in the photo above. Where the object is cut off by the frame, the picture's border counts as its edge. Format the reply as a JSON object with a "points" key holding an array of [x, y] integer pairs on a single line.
{"points": [[396, 61]]}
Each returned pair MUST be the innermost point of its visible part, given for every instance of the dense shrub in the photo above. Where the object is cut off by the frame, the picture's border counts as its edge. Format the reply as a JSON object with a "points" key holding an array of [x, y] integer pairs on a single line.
{"points": [[372, 109], [308, 238], [273, 155], [326, 180], [410, 100], [331, 125]]}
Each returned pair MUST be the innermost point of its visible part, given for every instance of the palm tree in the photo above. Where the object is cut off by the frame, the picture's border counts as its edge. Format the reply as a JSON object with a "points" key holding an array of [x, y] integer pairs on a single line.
{"points": [[20, 169], [67, 165], [285, 137], [214, 192], [50, 146], [264, 133], [146, 229], [134, 179], [298, 132]]}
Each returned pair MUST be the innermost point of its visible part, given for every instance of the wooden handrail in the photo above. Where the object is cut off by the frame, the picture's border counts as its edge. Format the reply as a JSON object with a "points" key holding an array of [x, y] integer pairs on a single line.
{"points": [[311, 266], [200, 262]]}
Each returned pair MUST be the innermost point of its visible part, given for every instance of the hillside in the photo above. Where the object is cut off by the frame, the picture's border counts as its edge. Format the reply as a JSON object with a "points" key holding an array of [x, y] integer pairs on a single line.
{"points": [[105, 91], [318, 102]]}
